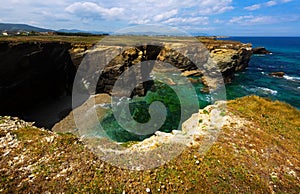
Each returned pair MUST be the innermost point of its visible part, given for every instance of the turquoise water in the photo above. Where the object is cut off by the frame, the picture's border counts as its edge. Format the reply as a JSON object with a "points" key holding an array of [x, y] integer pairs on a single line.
{"points": [[255, 79], [139, 109]]}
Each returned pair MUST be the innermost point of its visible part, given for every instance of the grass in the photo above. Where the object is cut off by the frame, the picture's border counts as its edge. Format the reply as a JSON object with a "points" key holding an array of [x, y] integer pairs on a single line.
{"points": [[95, 39], [71, 39], [260, 155]]}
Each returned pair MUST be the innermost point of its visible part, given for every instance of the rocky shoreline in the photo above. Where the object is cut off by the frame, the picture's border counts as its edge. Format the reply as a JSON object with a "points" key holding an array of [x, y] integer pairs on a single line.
{"points": [[32, 71], [249, 144]]}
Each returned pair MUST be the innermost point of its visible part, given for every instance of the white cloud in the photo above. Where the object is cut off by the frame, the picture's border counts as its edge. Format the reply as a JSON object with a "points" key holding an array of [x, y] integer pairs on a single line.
{"points": [[171, 12], [189, 20], [208, 7], [266, 4], [90, 9], [218, 21], [253, 7], [271, 3], [165, 15], [254, 20], [196, 29]]}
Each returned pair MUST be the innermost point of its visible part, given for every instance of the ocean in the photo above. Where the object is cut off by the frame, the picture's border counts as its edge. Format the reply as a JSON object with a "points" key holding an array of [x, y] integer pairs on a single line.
{"points": [[254, 80], [285, 58]]}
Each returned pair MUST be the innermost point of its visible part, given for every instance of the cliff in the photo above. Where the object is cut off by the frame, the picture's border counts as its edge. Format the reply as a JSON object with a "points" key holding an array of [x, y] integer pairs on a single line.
{"points": [[38, 69], [257, 151], [32, 72]]}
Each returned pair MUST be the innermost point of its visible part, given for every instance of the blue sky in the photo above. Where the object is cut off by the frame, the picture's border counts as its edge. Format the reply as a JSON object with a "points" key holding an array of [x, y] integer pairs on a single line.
{"points": [[214, 17]]}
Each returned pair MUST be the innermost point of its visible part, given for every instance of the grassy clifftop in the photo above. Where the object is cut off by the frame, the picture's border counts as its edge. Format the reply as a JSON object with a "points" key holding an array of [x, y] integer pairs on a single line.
{"points": [[70, 39], [258, 151]]}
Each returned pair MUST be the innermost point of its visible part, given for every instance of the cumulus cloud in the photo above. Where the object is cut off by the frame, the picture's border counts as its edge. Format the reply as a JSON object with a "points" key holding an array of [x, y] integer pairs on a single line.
{"points": [[90, 9], [171, 12], [112, 15]]}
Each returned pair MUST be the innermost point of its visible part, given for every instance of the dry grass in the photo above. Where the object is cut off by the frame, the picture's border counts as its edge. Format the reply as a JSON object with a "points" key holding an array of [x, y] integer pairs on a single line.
{"points": [[70, 39], [256, 155]]}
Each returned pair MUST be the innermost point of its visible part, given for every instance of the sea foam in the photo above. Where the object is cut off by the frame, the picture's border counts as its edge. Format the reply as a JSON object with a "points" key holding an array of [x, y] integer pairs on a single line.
{"points": [[292, 78]]}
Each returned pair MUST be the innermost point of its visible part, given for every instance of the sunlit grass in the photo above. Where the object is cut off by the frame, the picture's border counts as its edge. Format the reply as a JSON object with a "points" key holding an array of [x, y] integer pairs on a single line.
{"points": [[244, 159]]}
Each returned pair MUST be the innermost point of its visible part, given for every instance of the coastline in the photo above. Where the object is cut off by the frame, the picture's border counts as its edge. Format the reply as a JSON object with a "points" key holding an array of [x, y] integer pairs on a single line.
{"points": [[257, 148]]}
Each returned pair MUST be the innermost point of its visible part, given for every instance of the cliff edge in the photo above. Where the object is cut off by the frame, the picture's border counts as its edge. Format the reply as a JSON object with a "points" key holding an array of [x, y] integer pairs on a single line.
{"points": [[256, 151]]}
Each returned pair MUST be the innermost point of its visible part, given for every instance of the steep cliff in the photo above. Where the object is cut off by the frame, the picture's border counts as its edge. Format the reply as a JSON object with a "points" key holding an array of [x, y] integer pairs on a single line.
{"points": [[31, 72], [35, 71]]}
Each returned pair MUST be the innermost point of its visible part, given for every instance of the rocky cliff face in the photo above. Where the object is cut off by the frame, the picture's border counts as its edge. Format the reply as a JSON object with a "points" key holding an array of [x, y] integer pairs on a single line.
{"points": [[31, 72], [225, 57]]}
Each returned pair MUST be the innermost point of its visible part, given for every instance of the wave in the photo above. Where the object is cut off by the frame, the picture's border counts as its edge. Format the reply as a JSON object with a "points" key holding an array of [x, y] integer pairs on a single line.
{"points": [[261, 90], [268, 90], [291, 78]]}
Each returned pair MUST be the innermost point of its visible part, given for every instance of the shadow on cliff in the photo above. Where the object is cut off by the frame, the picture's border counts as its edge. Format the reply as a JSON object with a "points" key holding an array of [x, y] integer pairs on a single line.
{"points": [[34, 75]]}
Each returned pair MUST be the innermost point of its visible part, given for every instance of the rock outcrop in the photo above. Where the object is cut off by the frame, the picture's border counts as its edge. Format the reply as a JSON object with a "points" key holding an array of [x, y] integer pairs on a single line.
{"points": [[261, 50], [213, 56]]}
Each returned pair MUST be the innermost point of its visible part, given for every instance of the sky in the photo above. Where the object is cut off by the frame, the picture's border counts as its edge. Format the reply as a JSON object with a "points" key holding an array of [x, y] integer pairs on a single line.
{"points": [[213, 17]]}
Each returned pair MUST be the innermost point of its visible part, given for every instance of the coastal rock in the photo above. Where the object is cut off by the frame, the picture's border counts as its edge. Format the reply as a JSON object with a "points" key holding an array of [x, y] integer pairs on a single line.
{"points": [[261, 50], [68, 124], [230, 61], [33, 72], [277, 74]]}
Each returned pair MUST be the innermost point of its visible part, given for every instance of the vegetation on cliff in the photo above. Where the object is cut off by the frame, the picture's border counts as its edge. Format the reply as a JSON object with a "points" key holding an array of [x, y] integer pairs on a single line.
{"points": [[258, 151]]}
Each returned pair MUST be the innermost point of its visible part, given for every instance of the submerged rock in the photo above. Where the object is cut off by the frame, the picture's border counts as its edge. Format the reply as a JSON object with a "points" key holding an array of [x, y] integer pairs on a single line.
{"points": [[277, 74]]}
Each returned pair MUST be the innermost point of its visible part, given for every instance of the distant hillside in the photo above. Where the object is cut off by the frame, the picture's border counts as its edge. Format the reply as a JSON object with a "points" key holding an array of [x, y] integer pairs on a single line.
{"points": [[21, 27], [71, 31]]}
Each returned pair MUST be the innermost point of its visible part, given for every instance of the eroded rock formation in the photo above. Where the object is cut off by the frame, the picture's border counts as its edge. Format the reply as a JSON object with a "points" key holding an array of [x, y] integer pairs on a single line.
{"points": [[31, 72]]}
